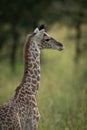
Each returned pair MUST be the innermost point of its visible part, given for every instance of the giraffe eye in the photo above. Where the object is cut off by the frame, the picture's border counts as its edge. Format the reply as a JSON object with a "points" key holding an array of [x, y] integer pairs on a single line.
{"points": [[47, 40]]}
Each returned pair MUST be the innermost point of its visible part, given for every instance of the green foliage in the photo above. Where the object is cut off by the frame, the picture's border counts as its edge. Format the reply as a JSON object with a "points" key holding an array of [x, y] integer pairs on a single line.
{"points": [[27, 14], [17, 15], [69, 12]]}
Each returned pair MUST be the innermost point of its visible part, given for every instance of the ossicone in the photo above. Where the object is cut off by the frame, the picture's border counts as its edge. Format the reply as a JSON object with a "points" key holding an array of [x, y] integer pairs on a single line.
{"points": [[41, 27]]}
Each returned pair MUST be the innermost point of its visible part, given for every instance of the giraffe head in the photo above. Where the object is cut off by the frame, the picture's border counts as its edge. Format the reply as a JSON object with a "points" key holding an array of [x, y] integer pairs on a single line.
{"points": [[44, 41]]}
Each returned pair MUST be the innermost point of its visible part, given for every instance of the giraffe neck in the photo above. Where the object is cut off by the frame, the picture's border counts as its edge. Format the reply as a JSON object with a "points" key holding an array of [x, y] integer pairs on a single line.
{"points": [[32, 67], [31, 78]]}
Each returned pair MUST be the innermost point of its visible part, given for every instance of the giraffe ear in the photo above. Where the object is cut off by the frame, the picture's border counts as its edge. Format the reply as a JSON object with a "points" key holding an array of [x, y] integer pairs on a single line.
{"points": [[36, 30], [39, 32], [40, 29]]}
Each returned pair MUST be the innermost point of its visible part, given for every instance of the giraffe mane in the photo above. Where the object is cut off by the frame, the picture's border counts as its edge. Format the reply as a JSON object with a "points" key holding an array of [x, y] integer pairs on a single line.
{"points": [[27, 44]]}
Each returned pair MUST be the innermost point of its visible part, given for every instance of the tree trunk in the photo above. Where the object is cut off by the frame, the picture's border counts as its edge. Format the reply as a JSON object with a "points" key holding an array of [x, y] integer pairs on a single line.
{"points": [[78, 42], [14, 46]]}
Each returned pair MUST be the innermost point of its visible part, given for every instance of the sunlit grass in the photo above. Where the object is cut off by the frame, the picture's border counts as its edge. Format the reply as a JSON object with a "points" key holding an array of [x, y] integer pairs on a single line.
{"points": [[63, 89]]}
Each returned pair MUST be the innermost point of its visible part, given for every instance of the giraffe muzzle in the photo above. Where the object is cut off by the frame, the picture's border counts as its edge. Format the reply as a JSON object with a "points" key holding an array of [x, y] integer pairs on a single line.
{"points": [[61, 48]]}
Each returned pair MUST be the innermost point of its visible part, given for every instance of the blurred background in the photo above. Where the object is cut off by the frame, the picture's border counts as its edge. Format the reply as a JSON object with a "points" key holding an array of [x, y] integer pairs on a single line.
{"points": [[62, 96]]}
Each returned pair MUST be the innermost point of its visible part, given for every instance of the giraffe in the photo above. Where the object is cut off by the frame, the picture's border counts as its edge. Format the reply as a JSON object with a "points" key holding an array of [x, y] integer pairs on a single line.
{"points": [[21, 111]]}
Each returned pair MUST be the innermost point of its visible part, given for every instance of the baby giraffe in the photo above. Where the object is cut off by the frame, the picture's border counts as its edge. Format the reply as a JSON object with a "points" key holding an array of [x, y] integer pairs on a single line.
{"points": [[21, 111]]}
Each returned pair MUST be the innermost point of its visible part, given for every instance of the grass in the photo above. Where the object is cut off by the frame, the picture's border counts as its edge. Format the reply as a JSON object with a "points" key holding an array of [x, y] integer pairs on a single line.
{"points": [[62, 99]]}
